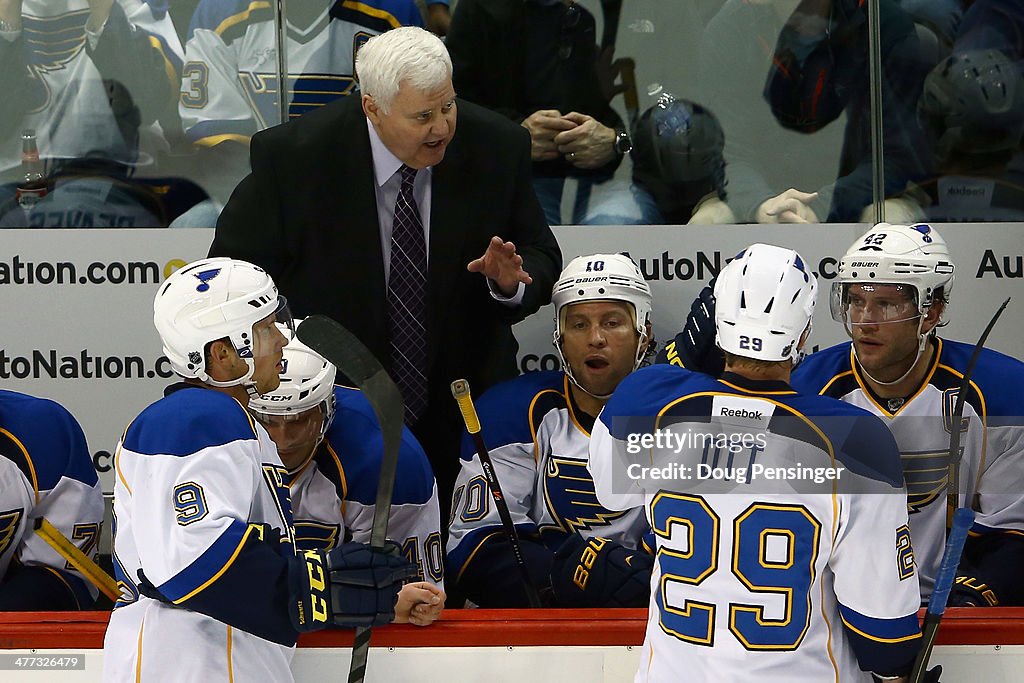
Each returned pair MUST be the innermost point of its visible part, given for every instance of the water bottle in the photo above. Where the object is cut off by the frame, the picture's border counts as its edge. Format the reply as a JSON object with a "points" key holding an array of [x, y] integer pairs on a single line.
{"points": [[32, 186]]}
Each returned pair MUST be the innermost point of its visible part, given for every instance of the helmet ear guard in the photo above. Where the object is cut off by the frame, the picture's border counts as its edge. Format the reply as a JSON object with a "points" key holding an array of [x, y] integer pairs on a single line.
{"points": [[764, 300]]}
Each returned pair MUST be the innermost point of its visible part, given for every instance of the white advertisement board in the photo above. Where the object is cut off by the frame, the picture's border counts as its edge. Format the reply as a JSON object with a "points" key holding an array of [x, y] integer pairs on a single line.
{"points": [[78, 303]]}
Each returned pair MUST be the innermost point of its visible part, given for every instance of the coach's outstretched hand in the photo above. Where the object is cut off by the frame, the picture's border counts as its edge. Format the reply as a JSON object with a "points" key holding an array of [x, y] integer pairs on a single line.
{"points": [[352, 585], [694, 348]]}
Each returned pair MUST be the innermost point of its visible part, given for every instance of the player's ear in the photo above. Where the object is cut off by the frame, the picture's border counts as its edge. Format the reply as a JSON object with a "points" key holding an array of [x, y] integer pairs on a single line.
{"points": [[933, 317], [220, 358]]}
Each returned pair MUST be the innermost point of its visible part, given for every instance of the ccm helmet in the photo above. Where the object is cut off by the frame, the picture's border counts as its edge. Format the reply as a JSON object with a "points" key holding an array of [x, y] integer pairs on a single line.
{"points": [[211, 299], [764, 300], [307, 383], [602, 277]]}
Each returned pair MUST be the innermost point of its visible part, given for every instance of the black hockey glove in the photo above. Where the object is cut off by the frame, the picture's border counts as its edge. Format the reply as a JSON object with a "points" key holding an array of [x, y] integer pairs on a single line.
{"points": [[595, 572], [352, 585], [970, 592], [694, 348]]}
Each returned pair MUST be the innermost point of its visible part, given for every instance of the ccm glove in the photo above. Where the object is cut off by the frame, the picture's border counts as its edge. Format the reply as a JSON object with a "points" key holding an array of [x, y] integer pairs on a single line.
{"points": [[970, 592], [353, 585], [595, 572], [694, 348]]}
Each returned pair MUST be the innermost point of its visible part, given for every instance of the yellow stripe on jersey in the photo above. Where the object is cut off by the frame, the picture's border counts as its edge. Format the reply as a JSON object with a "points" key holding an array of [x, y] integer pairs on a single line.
{"points": [[172, 77], [533, 427], [758, 392], [28, 460], [372, 12], [227, 565], [138, 651], [475, 550], [879, 639], [231, 668], [236, 19], [924, 384], [572, 413]]}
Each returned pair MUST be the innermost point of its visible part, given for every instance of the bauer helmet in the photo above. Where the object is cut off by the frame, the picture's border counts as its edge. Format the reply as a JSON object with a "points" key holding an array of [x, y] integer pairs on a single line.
{"points": [[212, 299], [603, 277], [913, 256], [764, 300]]}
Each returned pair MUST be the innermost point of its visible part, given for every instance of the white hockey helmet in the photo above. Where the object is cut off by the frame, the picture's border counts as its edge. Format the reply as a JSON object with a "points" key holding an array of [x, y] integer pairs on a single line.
{"points": [[602, 277], [911, 255], [211, 299], [307, 381], [764, 300]]}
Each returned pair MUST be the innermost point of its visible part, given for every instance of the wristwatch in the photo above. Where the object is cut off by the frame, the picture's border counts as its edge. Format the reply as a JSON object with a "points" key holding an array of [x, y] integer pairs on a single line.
{"points": [[622, 144]]}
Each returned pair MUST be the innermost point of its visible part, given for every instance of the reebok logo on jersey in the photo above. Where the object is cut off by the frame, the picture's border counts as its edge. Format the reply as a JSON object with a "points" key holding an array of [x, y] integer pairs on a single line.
{"points": [[741, 412]]}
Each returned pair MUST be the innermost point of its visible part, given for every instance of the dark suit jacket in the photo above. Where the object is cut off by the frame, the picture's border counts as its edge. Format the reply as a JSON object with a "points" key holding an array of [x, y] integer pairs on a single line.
{"points": [[307, 214]]}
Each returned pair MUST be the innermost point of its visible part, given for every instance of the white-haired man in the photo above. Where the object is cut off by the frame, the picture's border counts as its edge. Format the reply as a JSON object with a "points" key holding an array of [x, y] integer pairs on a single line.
{"points": [[757, 498], [537, 427], [204, 542], [372, 211]]}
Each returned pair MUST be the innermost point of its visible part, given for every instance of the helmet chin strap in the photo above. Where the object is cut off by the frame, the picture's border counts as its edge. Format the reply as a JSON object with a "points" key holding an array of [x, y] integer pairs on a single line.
{"points": [[567, 369], [922, 340], [245, 380]]}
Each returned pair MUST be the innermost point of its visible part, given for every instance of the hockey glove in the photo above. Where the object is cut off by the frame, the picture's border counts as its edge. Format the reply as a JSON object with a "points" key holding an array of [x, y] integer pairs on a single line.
{"points": [[694, 348], [970, 592], [352, 585], [595, 572]]}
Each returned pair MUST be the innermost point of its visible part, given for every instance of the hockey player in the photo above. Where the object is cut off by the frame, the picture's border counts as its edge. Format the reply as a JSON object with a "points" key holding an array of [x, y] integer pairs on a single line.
{"points": [[537, 427], [330, 442], [45, 471], [203, 541], [892, 294], [756, 574]]}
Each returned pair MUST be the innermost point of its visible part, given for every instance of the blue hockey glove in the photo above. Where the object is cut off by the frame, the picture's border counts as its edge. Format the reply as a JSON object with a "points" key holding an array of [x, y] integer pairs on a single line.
{"points": [[352, 585], [695, 347], [595, 572]]}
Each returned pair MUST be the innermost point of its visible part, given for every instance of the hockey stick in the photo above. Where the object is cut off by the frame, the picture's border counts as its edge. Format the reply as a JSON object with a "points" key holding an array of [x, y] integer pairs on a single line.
{"points": [[460, 390], [355, 361], [76, 558], [953, 479], [958, 519], [963, 518]]}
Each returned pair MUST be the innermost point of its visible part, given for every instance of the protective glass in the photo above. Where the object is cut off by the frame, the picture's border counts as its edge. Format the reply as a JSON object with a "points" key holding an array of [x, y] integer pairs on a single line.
{"points": [[873, 303], [265, 331]]}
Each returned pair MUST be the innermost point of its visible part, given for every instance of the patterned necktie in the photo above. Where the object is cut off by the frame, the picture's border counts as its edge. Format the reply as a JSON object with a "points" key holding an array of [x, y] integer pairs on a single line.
{"points": [[407, 300]]}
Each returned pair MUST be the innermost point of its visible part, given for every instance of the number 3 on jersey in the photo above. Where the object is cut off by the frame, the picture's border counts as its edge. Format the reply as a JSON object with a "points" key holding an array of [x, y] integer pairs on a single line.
{"points": [[774, 550]]}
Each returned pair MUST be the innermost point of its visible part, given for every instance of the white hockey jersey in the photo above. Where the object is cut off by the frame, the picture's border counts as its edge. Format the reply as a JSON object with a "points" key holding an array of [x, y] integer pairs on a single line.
{"points": [[203, 530], [334, 496], [68, 105], [785, 578], [992, 438], [46, 472], [229, 85], [539, 442]]}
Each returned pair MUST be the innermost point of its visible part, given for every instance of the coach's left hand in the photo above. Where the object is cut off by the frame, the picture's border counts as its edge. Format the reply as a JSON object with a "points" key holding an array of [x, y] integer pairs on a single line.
{"points": [[503, 265]]}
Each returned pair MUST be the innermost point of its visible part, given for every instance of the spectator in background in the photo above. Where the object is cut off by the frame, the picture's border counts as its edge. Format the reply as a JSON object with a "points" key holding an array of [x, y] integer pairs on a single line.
{"points": [[438, 15], [819, 72], [97, 192], [537, 62], [344, 205], [775, 175], [57, 60], [330, 442], [45, 472], [230, 89], [537, 427], [972, 112]]}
